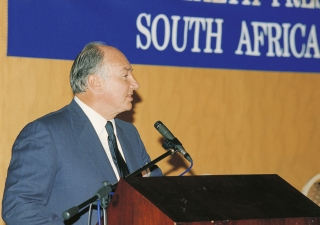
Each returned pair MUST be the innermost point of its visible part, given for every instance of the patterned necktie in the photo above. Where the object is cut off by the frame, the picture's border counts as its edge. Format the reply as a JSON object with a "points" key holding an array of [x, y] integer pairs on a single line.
{"points": [[116, 155]]}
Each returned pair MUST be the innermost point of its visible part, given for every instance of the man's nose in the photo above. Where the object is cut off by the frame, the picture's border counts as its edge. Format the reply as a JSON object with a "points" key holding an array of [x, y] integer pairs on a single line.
{"points": [[134, 84]]}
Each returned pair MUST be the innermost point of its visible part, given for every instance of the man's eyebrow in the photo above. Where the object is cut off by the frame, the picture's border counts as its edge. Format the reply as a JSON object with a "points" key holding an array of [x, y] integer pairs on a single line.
{"points": [[128, 69]]}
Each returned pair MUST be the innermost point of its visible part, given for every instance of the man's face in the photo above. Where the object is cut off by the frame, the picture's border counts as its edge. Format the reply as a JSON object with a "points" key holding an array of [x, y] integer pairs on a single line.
{"points": [[119, 84]]}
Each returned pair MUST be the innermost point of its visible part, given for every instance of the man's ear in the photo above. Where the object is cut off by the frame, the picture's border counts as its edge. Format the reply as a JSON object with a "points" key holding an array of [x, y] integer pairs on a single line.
{"points": [[94, 82]]}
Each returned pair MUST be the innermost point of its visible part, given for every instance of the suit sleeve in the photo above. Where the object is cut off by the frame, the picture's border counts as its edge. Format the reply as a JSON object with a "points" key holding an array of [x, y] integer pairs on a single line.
{"points": [[30, 178]]}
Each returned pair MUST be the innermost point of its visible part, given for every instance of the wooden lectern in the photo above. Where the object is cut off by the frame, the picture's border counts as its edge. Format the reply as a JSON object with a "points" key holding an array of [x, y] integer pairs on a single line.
{"points": [[216, 199]]}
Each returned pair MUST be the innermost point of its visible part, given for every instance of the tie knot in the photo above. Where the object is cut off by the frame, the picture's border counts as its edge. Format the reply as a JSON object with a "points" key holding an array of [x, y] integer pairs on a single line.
{"points": [[109, 128]]}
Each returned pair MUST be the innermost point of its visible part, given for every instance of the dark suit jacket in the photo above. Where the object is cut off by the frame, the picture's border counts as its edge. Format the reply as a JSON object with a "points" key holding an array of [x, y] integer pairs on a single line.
{"points": [[58, 162]]}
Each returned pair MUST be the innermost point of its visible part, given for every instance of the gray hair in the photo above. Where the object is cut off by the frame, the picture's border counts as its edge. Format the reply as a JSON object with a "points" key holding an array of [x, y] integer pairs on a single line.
{"points": [[89, 61]]}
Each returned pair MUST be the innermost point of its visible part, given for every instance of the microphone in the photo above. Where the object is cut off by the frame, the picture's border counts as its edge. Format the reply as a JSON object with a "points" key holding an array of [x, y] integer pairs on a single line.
{"points": [[165, 132]]}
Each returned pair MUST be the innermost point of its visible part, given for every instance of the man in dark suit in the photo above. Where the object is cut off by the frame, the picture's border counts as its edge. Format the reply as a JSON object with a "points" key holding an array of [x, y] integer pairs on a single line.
{"points": [[60, 160]]}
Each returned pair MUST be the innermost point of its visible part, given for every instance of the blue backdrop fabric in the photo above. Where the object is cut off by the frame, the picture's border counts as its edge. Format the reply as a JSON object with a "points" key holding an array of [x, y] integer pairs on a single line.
{"points": [[277, 35]]}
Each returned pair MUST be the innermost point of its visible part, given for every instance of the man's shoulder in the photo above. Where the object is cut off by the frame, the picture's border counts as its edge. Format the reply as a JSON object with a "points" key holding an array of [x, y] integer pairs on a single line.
{"points": [[43, 124], [52, 119], [57, 115]]}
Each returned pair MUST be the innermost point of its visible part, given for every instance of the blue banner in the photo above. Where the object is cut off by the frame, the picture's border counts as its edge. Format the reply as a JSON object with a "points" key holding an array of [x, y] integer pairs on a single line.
{"points": [[275, 35]]}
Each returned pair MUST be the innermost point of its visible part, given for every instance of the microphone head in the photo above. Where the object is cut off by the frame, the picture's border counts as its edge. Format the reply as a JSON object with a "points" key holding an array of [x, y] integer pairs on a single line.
{"points": [[157, 124], [163, 130]]}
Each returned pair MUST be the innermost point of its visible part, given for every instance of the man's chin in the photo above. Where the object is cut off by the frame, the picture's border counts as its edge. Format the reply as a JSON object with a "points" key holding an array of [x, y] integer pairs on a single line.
{"points": [[127, 108]]}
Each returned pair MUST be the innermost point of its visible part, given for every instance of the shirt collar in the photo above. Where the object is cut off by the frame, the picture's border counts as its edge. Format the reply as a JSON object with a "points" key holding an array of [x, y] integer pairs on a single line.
{"points": [[97, 121]]}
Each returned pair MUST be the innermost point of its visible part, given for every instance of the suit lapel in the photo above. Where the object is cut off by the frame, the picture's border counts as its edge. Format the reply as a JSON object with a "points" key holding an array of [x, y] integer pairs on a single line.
{"points": [[127, 150], [89, 141]]}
